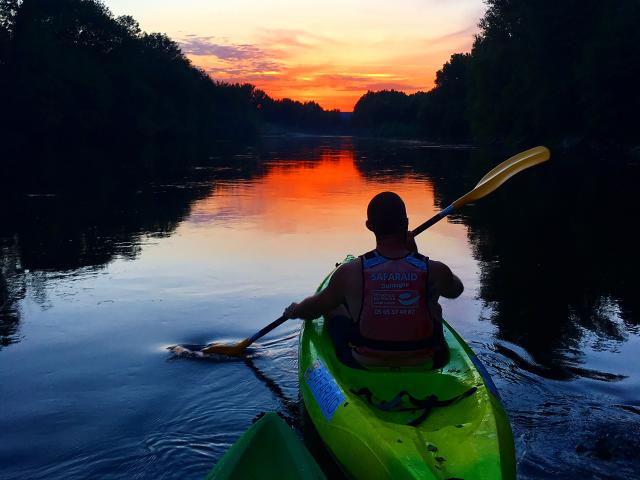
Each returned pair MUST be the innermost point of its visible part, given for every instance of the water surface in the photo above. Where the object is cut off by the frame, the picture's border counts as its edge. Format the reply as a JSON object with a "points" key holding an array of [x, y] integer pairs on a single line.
{"points": [[98, 281]]}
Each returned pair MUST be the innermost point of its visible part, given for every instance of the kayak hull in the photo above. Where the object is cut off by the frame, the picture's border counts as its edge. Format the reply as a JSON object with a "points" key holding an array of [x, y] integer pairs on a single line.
{"points": [[269, 450], [469, 439]]}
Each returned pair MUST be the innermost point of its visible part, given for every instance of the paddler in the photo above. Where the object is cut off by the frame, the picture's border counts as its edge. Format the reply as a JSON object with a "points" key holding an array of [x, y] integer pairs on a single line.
{"points": [[383, 307]]}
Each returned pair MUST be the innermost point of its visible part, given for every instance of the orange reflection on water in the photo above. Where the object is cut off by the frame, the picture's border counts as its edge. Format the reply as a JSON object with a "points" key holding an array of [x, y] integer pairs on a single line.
{"points": [[315, 203]]}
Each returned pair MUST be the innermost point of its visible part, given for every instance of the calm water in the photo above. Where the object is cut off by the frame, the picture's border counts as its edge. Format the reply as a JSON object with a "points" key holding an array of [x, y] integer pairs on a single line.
{"points": [[96, 283]]}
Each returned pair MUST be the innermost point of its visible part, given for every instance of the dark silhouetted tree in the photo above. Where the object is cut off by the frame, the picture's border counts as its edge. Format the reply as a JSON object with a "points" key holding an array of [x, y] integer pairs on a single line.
{"points": [[295, 115], [539, 71], [77, 78]]}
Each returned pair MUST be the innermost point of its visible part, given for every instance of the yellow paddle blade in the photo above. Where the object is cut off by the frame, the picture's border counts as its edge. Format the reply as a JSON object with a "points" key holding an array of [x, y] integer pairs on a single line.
{"points": [[230, 350], [503, 172]]}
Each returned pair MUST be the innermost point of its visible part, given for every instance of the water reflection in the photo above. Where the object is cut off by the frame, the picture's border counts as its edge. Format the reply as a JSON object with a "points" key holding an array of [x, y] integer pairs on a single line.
{"points": [[83, 227], [12, 290], [555, 246], [117, 272], [558, 262]]}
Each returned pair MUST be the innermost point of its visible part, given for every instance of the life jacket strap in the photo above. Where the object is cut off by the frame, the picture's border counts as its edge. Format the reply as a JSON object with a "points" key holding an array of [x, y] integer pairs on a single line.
{"points": [[427, 403]]}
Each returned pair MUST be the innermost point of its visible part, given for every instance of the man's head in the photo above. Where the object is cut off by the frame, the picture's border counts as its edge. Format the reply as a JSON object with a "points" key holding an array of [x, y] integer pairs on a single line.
{"points": [[387, 215]]}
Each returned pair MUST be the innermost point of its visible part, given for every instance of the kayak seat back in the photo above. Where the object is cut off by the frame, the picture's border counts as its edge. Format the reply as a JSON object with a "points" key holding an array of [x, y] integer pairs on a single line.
{"points": [[340, 331]]}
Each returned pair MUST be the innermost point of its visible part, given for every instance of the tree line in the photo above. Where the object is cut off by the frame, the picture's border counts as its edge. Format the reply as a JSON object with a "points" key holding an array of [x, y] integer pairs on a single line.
{"points": [[295, 115], [76, 79], [541, 71]]}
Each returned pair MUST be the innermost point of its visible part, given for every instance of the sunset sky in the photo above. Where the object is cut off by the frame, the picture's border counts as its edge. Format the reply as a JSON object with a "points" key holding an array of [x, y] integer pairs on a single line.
{"points": [[330, 51]]}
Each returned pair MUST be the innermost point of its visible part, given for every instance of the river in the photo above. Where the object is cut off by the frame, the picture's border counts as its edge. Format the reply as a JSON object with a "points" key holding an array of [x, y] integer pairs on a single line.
{"points": [[97, 282]]}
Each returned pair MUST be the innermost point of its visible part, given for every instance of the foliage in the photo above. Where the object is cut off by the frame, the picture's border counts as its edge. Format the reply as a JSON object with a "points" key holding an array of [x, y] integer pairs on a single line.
{"points": [[82, 89], [439, 114], [443, 114], [539, 71], [296, 115], [76, 76]]}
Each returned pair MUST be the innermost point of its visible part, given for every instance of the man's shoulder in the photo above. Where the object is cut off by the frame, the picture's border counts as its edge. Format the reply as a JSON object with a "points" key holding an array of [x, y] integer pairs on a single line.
{"points": [[348, 270], [438, 268], [344, 279], [353, 266]]}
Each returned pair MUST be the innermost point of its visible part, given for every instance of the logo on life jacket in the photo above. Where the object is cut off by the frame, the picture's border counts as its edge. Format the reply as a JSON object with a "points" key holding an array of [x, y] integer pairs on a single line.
{"points": [[394, 276], [406, 298]]}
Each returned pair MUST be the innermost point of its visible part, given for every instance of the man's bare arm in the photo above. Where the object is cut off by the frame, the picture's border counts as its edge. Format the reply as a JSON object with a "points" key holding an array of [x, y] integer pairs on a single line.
{"points": [[448, 285], [322, 302]]}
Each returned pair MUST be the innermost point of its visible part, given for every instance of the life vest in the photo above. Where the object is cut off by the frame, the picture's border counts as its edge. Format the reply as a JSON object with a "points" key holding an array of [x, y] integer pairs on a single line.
{"points": [[395, 314]]}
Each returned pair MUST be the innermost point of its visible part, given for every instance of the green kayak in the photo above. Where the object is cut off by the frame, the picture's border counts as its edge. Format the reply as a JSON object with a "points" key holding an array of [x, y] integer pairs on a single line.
{"points": [[268, 450], [406, 422]]}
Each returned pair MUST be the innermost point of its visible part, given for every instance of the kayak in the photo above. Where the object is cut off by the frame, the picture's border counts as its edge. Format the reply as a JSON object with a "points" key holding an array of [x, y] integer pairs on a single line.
{"points": [[406, 422], [269, 449]]}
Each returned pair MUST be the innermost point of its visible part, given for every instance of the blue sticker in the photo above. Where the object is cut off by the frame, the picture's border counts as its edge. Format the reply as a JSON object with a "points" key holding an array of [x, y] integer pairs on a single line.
{"points": [[324, 388]]}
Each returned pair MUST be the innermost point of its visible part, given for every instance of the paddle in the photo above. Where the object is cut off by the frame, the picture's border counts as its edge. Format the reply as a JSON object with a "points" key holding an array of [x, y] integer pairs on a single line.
{"points": [[487, 184], [492, 180], [236, 350]]}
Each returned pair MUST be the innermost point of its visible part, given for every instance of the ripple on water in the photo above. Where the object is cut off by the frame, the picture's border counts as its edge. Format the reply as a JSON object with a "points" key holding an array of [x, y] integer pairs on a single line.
{"points": [[562, 432]]}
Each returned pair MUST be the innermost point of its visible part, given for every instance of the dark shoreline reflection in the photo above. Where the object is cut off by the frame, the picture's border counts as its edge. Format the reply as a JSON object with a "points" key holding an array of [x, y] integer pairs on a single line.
{"points": [[85, 222], [558, 258], [12, 290]]}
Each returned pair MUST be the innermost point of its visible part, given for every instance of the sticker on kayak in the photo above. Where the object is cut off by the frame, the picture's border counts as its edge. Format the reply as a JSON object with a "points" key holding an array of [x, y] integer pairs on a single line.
{"points": [[324, 388]]}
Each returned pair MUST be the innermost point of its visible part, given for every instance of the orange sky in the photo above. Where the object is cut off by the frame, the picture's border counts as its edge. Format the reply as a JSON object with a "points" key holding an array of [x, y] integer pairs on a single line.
{"points": [[330, 51]]}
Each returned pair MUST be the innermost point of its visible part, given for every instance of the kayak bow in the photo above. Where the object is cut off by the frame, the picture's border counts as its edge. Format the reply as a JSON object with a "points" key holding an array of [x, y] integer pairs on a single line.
{"points": [[268, 450]]}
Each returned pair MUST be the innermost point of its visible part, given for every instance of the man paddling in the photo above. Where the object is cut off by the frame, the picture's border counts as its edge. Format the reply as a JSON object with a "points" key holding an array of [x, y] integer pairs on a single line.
{"points": [[384, 305]]}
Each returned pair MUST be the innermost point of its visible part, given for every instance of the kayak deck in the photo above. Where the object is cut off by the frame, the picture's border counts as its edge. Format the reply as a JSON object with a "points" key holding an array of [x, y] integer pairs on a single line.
{"points": [[270, 450], [469, 439]]}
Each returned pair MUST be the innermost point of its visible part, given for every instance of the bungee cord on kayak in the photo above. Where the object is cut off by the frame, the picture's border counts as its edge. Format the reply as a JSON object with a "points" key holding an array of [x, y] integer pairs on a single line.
{"points": [[425, 404]]}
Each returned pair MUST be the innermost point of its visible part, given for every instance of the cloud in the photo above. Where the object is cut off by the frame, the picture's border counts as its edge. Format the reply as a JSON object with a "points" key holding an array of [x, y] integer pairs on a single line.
{"points": [[461, 38], [353, 82], [364, 87], [207, 46], [245, 70], [288, 38], [231, 62]]}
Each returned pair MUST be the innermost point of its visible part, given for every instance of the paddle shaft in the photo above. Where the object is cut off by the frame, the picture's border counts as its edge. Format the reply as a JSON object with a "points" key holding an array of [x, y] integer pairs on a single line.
{"points": [[433, 220], [267, 329]]}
